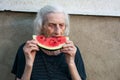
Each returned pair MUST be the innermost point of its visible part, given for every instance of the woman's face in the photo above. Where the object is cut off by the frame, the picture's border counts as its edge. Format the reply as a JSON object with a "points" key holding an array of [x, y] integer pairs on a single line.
{"points": [[54, 25]]}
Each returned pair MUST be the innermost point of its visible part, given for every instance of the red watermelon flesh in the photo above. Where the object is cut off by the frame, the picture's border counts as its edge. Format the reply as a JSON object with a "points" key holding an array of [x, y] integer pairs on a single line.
{"points": [[40, 38], [61, 39], [50, 43]]}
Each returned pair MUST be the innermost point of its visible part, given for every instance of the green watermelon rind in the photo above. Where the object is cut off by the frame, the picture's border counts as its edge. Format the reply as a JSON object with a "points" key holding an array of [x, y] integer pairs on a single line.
{"points": [[49, 48]]}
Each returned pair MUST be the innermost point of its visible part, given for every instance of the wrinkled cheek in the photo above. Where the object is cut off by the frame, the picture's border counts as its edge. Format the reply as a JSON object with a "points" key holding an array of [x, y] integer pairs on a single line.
{"points": [[62, 32], [44, 32], [48, 33]]}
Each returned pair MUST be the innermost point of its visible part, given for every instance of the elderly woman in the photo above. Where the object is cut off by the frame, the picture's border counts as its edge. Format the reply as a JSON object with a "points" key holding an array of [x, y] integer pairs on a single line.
{"points": [[35, 63]]}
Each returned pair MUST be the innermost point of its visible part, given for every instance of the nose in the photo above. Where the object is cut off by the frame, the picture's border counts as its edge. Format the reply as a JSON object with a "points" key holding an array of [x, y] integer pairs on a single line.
{"points": [[57, 30]]}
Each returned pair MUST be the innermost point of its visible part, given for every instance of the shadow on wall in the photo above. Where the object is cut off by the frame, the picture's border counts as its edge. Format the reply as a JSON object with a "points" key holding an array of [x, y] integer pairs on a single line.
{"points": [[99, 41], [15, 29]]}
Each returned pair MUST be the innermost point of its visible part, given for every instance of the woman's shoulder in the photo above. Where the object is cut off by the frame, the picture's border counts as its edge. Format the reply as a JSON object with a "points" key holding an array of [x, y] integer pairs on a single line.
{"points": [[20, 53]]}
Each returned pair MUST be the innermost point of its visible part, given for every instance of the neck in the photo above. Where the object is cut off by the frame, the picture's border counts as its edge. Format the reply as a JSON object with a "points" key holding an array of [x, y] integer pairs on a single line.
{"points": [[51, 53]]}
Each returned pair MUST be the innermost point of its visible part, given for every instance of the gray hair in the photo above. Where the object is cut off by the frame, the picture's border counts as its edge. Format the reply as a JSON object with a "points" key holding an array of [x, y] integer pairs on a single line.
{"points": [[41, 15]]}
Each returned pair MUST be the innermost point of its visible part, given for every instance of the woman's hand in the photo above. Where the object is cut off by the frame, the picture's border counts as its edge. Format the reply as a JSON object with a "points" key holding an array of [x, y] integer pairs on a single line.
{"points": [[70, 50], [30, 49]]}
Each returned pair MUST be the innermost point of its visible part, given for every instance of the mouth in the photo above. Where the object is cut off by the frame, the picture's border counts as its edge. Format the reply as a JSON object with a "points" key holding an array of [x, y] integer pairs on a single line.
{"points": [[57, 35]]}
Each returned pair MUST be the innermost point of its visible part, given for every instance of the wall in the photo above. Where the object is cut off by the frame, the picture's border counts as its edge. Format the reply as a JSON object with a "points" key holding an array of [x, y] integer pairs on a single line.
{"points": [[99, 41], [15, 28], [85, 7], [97, 37]]}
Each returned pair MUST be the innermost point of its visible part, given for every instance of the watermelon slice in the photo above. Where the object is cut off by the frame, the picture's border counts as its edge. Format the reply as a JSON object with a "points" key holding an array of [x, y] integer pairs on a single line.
{"points": [[50, 43]]}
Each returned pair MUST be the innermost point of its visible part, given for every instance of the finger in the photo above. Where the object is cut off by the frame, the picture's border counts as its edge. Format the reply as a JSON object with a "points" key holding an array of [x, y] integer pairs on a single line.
{"points": [[68, 41], [30, 47], [68, 45], [66, 52], [31, 43], [34, 48], [66, 49]]}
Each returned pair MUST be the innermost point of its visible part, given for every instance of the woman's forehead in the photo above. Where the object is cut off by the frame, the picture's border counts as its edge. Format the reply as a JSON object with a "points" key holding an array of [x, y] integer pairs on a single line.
{"points": [[56, 17]]}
